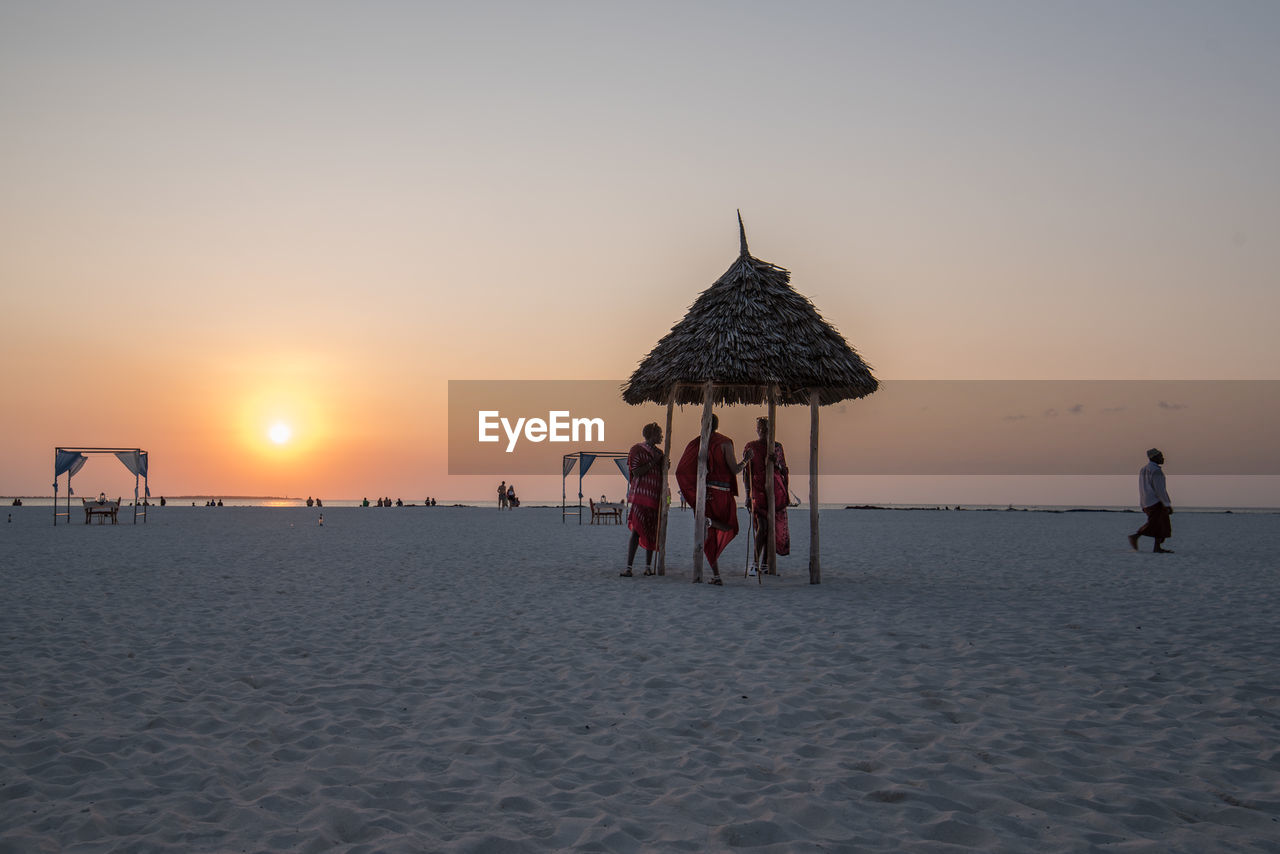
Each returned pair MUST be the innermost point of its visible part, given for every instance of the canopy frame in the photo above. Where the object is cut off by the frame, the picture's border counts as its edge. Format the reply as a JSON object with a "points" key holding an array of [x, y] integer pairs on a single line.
{"points": [[570, 461], [70, 460]]}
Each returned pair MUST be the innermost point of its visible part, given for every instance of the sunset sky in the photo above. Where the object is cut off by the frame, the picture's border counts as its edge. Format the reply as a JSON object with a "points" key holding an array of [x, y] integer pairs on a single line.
{"points": [[219, 217]]}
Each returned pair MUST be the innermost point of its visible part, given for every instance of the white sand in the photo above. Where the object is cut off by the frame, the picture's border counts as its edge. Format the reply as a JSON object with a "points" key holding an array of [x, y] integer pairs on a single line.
{"points": [[446, 679]]}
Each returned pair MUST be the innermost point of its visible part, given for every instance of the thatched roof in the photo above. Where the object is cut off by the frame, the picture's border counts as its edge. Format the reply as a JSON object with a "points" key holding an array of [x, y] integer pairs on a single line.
{"points": [[746, 332]]}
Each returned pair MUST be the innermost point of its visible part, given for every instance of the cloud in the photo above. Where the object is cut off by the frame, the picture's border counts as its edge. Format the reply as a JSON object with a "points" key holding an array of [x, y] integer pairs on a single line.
{"points": [[1077, 409], [1164, 404]]}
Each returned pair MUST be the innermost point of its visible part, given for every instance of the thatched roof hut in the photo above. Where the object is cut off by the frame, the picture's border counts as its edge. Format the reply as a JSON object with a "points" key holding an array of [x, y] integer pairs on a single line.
{"points": [[749, 331], [751, 338]]}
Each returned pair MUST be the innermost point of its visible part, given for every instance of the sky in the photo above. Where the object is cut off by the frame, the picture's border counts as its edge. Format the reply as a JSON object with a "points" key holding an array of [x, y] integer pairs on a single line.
{"points": [[222, 216]]}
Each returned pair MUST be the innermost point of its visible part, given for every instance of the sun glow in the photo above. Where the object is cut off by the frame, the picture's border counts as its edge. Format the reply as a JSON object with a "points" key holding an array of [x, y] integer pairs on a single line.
{"points": [[280, 433]]}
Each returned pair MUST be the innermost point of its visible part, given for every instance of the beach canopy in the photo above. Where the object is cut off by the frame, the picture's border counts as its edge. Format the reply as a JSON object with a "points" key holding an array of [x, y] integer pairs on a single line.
{"points": [[583, 460], [750, 338], [69, 461]]}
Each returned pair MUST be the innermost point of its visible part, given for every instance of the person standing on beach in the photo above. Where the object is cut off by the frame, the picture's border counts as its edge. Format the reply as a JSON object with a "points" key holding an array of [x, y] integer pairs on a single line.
{"points": [[502, 495], [1154, 499], [755, 453], [644, 491], [722, 489]]}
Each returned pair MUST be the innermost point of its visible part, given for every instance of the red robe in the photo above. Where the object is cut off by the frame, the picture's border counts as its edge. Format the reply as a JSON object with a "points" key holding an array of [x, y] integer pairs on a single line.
{"points": [[643, 494], [781, 495], [722, 486]]}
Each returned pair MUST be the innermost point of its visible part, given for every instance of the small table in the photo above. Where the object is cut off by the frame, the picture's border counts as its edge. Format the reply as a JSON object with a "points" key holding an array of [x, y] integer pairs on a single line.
{"points": [[102, 511], [608, 509]]}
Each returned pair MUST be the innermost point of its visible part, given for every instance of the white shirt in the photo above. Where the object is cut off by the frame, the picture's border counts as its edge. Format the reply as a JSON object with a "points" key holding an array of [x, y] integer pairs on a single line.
{"points": [[1151, 489]]}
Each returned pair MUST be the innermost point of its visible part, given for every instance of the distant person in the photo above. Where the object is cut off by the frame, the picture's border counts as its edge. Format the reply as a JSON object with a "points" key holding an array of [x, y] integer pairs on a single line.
{"points": [[755, 453], [722, 489], [319, 503], [310, 501], [365, 502], [1153, 497], [502, 495], [433, 502], [162, 502], [512, 501], [219, 502], [644, 491]]}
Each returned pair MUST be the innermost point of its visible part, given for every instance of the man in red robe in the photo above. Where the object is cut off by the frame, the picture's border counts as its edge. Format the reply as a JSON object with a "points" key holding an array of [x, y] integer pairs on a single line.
{"points": [[755, 452], [722, 487], [644, 491]]}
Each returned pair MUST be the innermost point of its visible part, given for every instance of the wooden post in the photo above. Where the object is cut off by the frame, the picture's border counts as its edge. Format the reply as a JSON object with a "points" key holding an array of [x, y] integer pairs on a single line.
{"points": [[700, 517], [664, 503], [815, 565], [771, 549]]}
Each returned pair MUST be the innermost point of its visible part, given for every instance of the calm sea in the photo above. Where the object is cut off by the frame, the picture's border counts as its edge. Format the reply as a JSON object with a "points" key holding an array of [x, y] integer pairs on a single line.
{"points": [[254, 501]]}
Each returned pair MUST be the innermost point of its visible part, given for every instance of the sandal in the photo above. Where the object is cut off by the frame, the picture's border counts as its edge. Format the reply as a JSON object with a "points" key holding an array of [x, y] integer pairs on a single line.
{"points": [[626, 574], [648, 571], [715, 579]]}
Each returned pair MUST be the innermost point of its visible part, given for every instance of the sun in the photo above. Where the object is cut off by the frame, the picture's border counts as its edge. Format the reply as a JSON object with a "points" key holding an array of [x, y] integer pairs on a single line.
{"points": [[280, 433]]}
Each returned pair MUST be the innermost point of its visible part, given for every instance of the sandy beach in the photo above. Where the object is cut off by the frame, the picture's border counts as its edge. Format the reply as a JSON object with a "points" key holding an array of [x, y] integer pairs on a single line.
{"points": [[461, 679]]}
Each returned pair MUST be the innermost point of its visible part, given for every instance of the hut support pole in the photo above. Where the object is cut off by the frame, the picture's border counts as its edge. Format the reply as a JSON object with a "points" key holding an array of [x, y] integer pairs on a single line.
{"points": [[664, 503], [700, 517], [771, 552], [815, 565]]}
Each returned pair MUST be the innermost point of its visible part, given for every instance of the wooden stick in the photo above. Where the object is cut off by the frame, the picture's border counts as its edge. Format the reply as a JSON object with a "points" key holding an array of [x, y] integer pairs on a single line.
{"points": [[771, 549], [700, 518], [815, 565], [664, 503]]}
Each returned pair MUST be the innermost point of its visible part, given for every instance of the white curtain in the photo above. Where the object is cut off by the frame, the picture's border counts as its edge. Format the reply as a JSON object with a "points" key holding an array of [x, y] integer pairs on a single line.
{"points": [[68, 461], [134, 461]]}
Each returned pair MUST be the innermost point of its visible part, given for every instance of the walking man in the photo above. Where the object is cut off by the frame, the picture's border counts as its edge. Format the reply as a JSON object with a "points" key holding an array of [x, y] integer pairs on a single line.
{"points": [[502, 495], [1154, 499]]}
